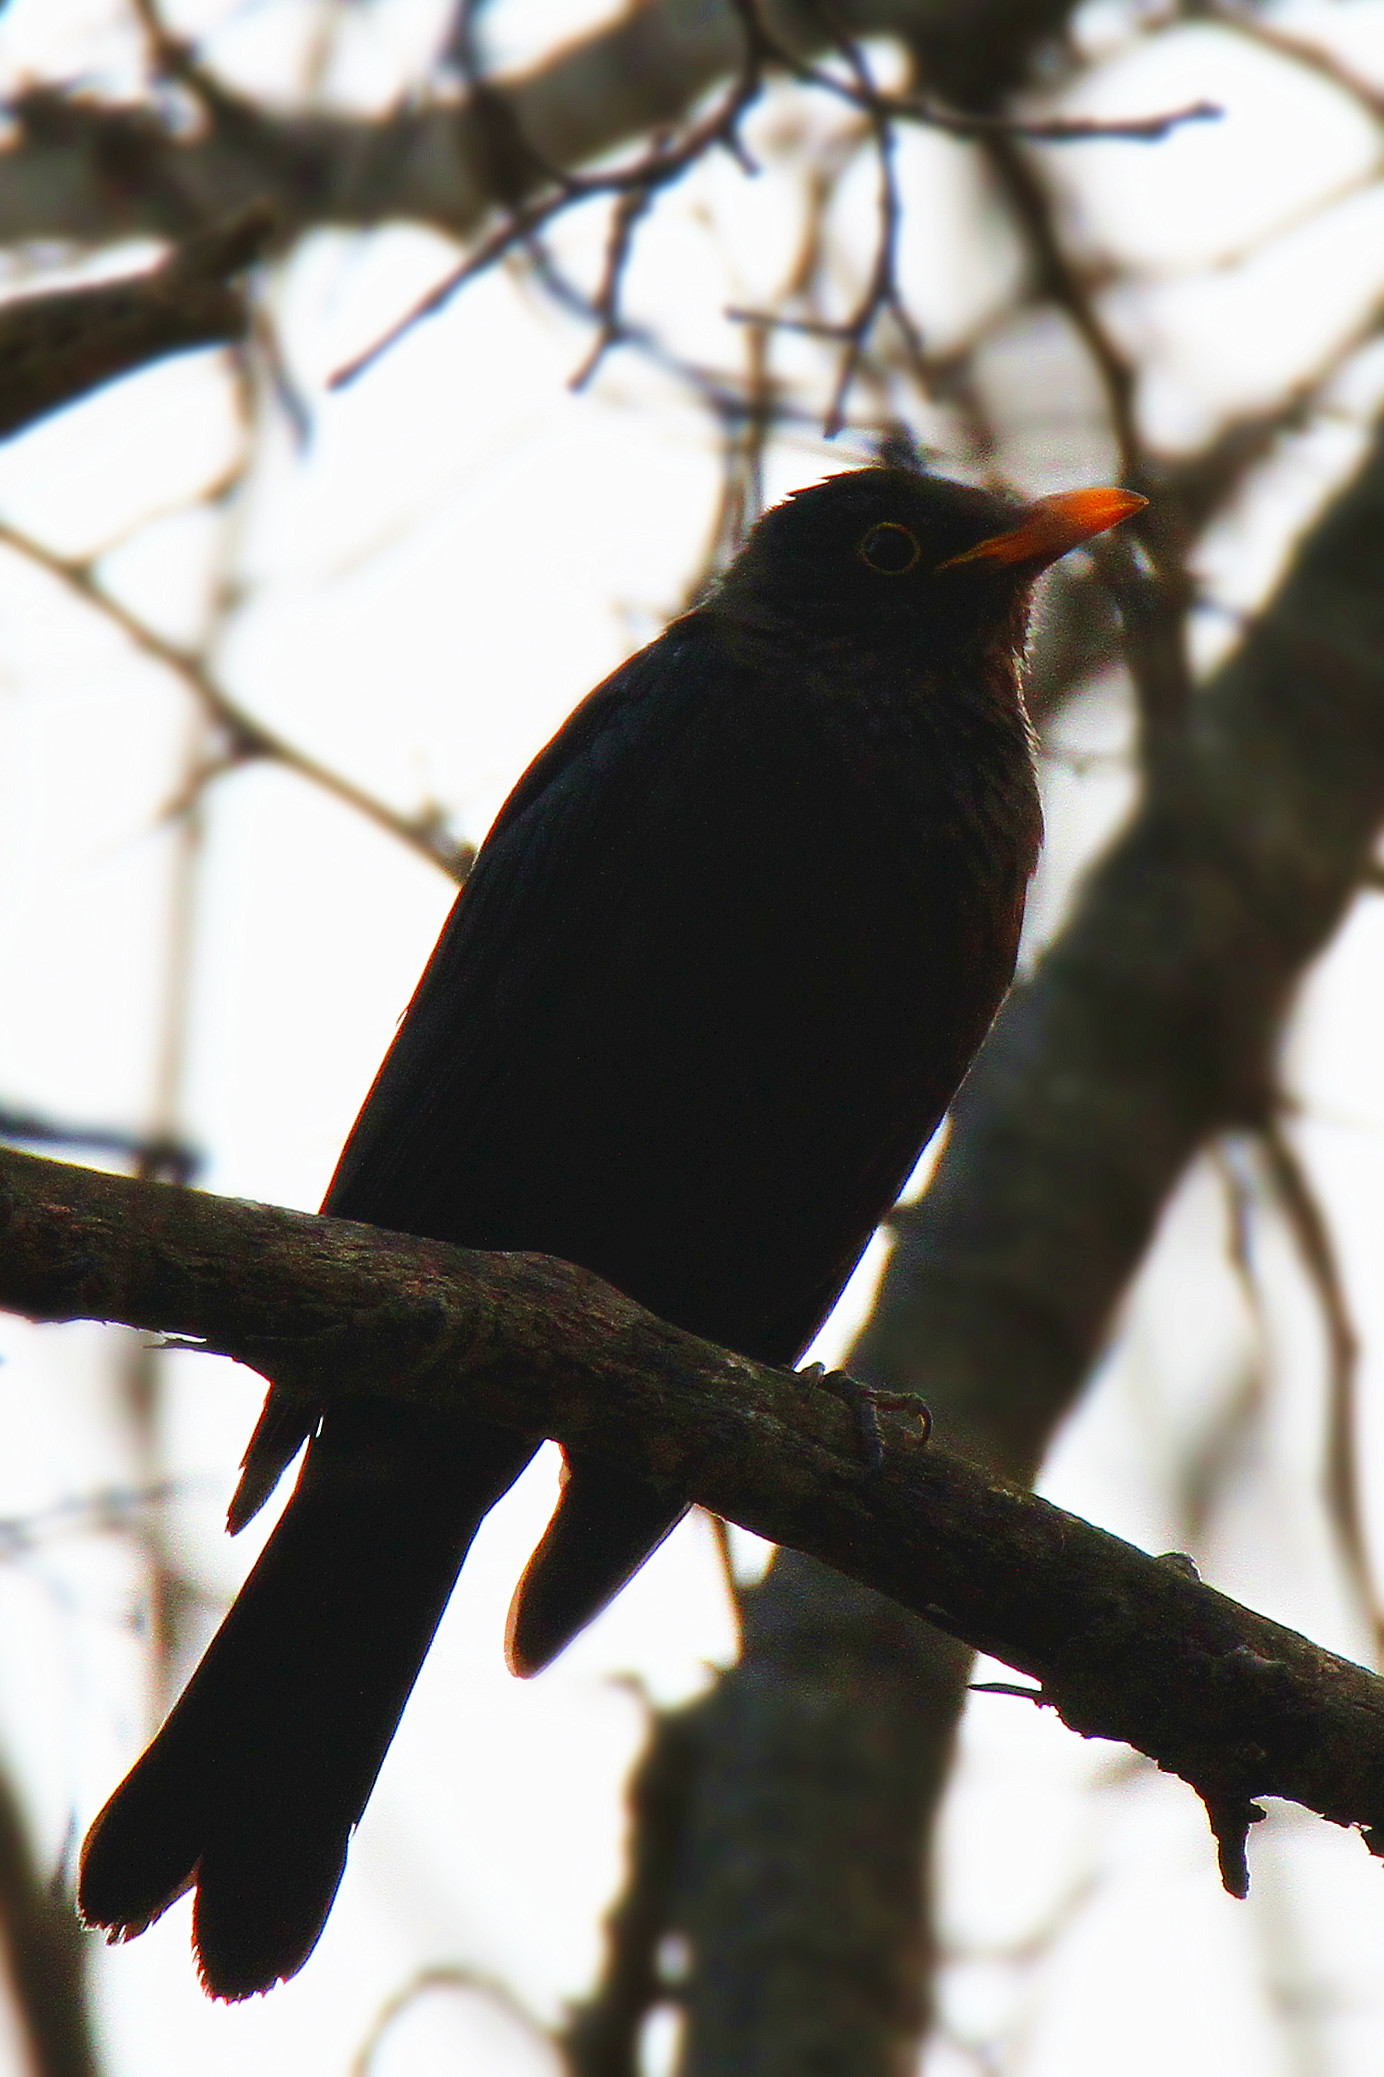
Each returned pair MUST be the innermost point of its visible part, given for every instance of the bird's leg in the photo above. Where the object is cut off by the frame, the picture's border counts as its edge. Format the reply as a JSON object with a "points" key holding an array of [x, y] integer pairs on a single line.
{"points": [[867, 1403]]}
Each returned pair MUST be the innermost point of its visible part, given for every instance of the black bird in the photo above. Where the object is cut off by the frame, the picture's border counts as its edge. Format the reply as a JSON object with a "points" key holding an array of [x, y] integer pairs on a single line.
{"points": [[718, 970]]}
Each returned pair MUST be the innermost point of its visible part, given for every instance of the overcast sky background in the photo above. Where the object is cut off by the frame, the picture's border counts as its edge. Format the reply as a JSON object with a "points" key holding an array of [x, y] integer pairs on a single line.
{"points": [[425, 588]]}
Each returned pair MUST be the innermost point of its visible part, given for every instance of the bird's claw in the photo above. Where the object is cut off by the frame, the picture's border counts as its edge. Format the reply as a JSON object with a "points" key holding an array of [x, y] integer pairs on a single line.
{"points": [[867, 1403]]}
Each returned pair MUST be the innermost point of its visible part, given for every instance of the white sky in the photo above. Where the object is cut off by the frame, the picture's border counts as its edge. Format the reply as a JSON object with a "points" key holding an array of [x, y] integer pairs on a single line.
{"points": [[388, 627]]}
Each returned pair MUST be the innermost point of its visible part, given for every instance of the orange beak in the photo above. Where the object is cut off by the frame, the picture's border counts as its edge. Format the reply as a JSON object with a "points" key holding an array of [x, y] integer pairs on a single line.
{"points": [[1051, 526]]}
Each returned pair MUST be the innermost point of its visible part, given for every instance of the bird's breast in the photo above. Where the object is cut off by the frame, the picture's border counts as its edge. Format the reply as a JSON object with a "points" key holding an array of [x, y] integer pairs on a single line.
{"points": [[787, 990], [715, 983]]}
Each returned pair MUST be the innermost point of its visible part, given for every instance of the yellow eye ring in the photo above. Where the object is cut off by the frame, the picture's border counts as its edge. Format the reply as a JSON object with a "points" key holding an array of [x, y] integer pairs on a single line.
{"points": [[890, 549]]}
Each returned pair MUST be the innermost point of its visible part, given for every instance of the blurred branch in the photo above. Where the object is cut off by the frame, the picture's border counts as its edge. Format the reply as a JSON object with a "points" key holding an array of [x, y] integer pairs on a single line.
{"points": [[247, 737], [632, 187], [1259, 27], [59, 347], [1152, 594], [55, 348], [1077, 633], [801, 1892], [168, 1160], [602, 2034], [46, 1951], [1312, 1235], [447, 1976], [88, 1514], [1123, 1645], [80, 169], [521, 166], [510, 142]]}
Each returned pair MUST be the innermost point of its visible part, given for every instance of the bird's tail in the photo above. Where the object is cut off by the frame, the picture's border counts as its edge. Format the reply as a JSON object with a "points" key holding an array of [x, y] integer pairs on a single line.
{"points": [[252, 1787], [606, 1523]]}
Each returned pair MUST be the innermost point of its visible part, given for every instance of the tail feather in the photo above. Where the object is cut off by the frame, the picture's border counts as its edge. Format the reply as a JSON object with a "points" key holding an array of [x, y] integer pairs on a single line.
{"points": [[284, 1425], [256, 1780], [606, 1523], [248, 1934]]}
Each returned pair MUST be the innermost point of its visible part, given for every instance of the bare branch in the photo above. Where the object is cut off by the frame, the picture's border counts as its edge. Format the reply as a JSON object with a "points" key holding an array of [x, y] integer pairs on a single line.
{"points": [[247, 736], [46, 1953], [633, 186], [520, 165], [1153, 596], [1307, 1222], [449, 1976], [168, 1160], [55, 348], [1123, 1645], [80, 169], [602, 2034]]}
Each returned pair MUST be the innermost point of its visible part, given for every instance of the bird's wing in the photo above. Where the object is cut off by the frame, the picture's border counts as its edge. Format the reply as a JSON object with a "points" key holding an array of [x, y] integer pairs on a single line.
{"points": [[413, 1160], [552, 859]]}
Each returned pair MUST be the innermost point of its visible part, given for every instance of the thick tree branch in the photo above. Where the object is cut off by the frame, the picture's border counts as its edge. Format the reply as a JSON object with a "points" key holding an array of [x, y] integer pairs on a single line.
{"points": [[80, 169], [55, 348], [1123, 1645]]}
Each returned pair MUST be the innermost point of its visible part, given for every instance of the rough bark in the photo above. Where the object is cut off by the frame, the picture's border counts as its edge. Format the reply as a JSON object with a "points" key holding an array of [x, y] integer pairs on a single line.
{"points": [[1122, 1645], [56, 348]]}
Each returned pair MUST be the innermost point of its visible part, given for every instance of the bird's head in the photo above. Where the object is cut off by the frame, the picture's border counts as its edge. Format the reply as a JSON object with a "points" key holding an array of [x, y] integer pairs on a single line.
{"points": [[892, 554]]}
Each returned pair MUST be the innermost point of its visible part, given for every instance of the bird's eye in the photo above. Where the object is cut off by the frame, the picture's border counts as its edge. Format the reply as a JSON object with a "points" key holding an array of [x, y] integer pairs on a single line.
{"points": [[890, 548]]}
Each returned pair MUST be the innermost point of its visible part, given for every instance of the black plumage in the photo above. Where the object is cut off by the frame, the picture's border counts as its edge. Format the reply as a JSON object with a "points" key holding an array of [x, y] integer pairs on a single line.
{"points": [[719, 968]]}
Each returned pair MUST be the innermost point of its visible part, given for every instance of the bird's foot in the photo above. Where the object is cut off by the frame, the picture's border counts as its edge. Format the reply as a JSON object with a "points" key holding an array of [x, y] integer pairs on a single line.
{"points": [[867, 1404]]}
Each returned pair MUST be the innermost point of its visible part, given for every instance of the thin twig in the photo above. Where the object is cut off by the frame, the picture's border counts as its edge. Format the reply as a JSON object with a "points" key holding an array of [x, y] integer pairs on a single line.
{"points": [[249, 737], [625, 217], [666, 162], [1153, 594], [158, 1154], [1313, 57], [954, 122], [882, 290], [654, 170], [453, 1976], [1312, 1235]]}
